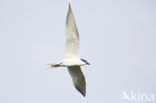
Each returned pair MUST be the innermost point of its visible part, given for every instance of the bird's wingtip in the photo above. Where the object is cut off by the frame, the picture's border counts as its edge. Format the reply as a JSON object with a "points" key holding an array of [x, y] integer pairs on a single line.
{"points": [[84, 95], [69, 6], [81, 88]]}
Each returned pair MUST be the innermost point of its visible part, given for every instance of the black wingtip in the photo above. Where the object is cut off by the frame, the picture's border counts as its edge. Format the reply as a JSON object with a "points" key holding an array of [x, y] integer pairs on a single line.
{"points": [[84, 95], [69, 5], [83, 92]]}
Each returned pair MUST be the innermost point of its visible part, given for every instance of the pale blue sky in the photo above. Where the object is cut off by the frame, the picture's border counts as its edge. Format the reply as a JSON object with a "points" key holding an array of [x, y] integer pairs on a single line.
{"points": [[117, 37]]}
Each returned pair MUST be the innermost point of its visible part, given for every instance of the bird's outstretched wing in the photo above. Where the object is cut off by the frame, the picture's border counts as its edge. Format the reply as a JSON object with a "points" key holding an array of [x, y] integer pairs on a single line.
{"points": [[78, 79], [72, 42]]}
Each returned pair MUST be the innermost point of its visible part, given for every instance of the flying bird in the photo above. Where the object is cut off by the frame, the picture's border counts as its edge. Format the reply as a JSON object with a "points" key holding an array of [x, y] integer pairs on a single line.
{"points": [[72, 60]]}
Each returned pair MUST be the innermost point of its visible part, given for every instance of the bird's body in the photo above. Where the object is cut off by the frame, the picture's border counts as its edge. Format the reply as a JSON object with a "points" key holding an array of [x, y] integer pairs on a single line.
{"points": [[69, 62], [72, 60]]}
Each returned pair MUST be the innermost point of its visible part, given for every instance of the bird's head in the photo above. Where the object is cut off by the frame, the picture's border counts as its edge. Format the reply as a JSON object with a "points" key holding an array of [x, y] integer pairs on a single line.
{"points": [[85, 61]]}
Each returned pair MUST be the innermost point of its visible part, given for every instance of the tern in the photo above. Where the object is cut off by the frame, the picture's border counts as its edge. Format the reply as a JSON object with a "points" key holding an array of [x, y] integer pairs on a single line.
{"points": [[72, 60]]}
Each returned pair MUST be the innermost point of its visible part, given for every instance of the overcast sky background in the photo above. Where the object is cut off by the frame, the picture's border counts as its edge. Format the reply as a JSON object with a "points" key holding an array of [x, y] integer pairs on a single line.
{"points": [[117, 37]]}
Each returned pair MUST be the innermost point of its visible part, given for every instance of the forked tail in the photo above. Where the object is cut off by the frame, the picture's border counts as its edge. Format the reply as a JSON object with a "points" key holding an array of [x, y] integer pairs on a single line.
{"points": [[55, 65]]}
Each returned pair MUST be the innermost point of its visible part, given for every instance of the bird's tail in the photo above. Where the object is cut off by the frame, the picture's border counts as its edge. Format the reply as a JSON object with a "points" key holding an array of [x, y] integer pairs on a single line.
{"points": [[53, 65]]}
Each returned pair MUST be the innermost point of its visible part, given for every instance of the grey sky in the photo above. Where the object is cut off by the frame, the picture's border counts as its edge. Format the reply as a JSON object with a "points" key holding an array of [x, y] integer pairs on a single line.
{"points": [[117, 37]]}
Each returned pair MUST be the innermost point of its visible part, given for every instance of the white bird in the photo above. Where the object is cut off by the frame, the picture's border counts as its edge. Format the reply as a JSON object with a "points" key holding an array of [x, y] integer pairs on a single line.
{"points": [[72, 60]]}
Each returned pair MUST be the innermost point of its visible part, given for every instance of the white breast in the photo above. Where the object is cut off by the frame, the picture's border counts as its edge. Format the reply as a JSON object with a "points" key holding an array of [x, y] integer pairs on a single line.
{"points": [[73, 62]]}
